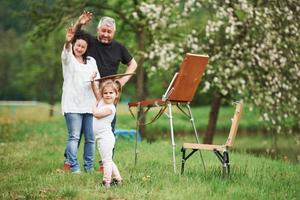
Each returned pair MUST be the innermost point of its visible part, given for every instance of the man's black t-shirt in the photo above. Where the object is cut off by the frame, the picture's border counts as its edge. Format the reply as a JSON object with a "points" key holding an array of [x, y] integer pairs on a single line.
{"points": [[108, 56]]}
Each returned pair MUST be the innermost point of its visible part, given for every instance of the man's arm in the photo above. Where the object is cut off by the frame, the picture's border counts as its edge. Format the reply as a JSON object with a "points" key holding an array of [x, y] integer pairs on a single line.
{"points": [[84, 18], [132, 65]]}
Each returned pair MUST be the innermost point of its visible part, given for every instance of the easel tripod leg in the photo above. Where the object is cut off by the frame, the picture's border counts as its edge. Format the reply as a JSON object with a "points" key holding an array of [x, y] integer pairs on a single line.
{"points": [[196, 134], [172, 135], [139, 113]]}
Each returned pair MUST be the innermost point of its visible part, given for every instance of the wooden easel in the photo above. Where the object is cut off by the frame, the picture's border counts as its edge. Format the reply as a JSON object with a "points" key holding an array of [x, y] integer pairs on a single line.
{"points": [[180, 92]]}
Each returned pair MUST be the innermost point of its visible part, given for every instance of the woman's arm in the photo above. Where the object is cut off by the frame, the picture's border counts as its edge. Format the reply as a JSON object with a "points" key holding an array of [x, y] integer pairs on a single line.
{"points": [[69, 36], [67, 51]]}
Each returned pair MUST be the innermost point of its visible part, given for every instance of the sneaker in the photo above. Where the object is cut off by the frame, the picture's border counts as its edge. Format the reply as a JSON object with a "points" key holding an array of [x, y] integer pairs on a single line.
{"points": [[116, 182], [101, 167], [76, 172], [106, 184], [67, 166], [89, 171]]}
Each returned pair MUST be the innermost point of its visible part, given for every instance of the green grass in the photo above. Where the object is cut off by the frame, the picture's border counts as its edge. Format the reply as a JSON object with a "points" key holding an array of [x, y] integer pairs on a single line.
{"points": [[249, 122], [31, 158]]}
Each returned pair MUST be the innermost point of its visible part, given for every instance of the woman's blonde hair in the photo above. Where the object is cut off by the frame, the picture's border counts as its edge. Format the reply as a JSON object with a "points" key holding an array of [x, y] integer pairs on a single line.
{"points": [[116, 85]]}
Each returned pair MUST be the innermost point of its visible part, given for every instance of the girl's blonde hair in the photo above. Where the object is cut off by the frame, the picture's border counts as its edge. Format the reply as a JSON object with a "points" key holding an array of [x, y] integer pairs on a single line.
{"points": [[115, 85]]}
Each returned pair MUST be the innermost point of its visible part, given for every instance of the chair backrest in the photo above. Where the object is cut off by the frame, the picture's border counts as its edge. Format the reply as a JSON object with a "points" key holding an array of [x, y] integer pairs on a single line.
{"points": [[188, 78], [234, 124]]}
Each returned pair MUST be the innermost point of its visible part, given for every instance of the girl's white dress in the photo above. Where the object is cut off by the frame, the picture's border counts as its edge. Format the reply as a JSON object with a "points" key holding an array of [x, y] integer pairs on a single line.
{"points": [[105, 141]]}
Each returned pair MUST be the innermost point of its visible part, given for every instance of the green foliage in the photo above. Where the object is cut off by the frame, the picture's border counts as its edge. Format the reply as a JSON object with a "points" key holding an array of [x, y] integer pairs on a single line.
{"points": [[9, 64], [9, 19], [30, 69], [40, 75]]}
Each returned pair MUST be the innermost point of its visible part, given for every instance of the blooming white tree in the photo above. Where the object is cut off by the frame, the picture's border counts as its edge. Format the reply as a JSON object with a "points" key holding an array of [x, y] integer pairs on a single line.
{"points": [[253, 48], [169, 31], [254, 52]]}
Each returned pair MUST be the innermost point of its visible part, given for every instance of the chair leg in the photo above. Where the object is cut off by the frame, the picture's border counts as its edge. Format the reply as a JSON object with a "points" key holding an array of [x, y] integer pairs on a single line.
{"points": [[226, 165], [183, 160], [224, 159]]}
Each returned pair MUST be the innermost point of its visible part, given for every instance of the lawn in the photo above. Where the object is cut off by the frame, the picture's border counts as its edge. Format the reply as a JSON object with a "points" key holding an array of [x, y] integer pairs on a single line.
{"points": [[31, 158]]}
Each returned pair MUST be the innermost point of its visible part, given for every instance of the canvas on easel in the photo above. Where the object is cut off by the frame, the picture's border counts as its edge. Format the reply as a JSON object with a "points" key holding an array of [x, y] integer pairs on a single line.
{"points": [[189, 77]]}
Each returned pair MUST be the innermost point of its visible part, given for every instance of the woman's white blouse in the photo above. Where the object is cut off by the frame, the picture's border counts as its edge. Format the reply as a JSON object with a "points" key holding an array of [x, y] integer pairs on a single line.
{"points": [[77, 94]]}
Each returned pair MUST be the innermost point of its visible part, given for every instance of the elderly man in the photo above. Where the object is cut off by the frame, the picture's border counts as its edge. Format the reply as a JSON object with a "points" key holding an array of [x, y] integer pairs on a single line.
{"points": [[107, 52]]}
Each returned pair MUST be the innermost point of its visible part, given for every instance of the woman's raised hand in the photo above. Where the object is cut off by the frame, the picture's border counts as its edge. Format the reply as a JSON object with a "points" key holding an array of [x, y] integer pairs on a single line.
{"points": [[70, 34]]}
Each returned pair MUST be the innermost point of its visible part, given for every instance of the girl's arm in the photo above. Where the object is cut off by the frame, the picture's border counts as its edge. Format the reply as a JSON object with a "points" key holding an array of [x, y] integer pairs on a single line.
{"points": [[95, 87], [105, 111]]}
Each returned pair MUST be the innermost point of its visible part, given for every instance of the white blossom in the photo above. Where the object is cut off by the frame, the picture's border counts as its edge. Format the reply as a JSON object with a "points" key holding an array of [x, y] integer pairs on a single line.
{"points": [[253, 51]]}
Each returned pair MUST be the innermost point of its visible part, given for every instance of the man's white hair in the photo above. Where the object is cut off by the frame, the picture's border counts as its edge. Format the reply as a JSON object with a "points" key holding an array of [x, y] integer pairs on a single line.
{"points": [[107, 21]]}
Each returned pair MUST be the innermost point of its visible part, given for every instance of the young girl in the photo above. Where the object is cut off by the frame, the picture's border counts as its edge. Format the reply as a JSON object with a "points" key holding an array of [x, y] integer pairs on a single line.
{"points": [[77, 99], [104, 113]]}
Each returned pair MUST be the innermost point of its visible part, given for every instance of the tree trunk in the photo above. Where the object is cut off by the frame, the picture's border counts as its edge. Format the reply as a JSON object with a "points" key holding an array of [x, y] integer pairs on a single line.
{"points": [[213, 117], [52, 97], [140, 81], [51, 112]]}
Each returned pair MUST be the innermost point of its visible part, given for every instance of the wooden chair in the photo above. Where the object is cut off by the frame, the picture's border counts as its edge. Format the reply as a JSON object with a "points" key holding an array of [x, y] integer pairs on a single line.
{"points": [[180, 92], [217, 149]]}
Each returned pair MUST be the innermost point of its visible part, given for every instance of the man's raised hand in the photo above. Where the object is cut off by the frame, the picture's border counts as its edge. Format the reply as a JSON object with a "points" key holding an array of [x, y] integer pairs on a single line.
{"points": [[85, 17]]}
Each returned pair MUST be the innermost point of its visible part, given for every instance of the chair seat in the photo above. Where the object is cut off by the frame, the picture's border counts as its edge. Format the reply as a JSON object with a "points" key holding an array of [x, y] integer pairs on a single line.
{"points": [[204, 146]]}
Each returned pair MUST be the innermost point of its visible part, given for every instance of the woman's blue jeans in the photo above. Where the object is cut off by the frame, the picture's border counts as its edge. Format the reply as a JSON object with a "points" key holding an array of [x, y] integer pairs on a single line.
{"points": [[77, 122]]}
